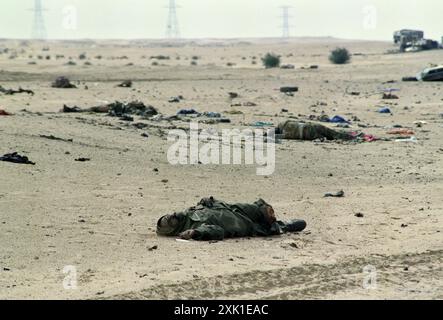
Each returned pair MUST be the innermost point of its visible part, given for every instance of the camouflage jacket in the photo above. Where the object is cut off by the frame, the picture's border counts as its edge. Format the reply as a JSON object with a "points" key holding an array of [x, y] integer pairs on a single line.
{"points": [[215, 220]]}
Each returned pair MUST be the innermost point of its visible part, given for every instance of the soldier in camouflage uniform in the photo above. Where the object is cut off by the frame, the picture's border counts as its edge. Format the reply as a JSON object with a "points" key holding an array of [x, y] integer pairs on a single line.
{"points": [[216, 220], [296, 130]]}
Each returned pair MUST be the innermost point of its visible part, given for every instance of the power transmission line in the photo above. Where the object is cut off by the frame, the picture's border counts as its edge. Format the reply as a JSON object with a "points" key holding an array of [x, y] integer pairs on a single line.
{"points": [[172, 28], [38, 28], [286, 25]]}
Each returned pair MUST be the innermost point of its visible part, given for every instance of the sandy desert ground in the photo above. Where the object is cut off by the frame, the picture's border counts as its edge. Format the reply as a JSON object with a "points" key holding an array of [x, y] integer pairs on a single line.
{"points": [[100, 216]]}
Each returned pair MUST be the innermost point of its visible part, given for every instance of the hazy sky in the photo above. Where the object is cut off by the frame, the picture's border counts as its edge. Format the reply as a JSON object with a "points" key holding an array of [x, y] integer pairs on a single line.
{"points": [[354, 19]]}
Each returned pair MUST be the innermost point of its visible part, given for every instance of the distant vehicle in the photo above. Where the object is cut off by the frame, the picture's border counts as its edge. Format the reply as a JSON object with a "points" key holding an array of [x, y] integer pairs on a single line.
{"points": [[407, 35], [431, 74]]}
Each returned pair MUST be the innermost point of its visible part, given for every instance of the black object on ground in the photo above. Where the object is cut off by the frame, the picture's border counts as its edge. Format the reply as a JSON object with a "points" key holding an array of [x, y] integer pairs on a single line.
{"points": [[409, 79], [125, 84], [12, 91], [118, 109], [63, 83], [339, 194], [67, 109], [16, 158], [233, 95], [288, 89], [51, 137], [82, 159]]}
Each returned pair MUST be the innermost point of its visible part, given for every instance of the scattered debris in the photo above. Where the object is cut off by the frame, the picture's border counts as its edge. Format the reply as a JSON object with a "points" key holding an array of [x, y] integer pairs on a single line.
{"points": [[126, 118], [420, 124], [125, 84], [405, 79], [4, 113], [412, 139], [175, 99], [288, 89], [262, 124], [287, 66], [51, 137], [138, 108], [210, 114], [384, 110], [16, 158], [338, 119], [405, 132], [233, 112], [67, 109], [63, 83], [338, 194], [389, 96], [12, 91], [187, 112], [233, 95]]}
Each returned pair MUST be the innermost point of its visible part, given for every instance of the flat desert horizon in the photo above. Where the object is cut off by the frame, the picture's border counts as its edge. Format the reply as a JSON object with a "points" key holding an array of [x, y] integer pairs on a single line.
{"points": [[94, 221]]}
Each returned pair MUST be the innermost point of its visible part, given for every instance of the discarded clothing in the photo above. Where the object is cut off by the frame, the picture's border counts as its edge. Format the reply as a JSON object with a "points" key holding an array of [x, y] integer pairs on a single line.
{"points": [[384, 110], [187, 112], [16, 158], [405, 132], [212, 114], [338, 119], [216, 220]]}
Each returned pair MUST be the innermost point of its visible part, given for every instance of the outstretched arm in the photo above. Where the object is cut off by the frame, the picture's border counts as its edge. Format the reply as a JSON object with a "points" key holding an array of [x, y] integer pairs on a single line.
{"points": [[204, 233]]}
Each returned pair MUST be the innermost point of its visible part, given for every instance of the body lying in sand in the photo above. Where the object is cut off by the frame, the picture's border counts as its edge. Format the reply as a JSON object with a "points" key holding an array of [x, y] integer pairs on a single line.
{"points": [[296, 130], [216, 220]]}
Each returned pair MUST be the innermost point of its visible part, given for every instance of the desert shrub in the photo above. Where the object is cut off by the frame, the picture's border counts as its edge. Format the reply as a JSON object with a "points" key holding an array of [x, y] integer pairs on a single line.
{"points": [[340, 56], [271, 60], [193, 63]]}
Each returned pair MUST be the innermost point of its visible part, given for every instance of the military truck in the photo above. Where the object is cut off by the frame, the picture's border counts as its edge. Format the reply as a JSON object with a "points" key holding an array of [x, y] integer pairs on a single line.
{"points": [[408, 35]]}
